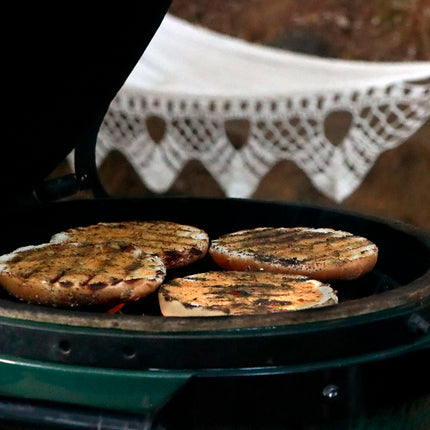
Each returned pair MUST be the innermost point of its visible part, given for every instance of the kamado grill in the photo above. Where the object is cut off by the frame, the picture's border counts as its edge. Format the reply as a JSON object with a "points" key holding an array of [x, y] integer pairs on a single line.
{"points": [[363, 362]]}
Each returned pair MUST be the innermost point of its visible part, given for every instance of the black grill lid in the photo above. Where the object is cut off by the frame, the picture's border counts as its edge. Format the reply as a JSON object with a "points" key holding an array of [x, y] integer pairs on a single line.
{"points": [[63, 67]]}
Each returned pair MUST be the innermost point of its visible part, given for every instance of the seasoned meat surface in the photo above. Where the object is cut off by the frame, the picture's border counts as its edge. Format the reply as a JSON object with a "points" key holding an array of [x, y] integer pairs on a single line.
{"points": [[70, 274], [241, 293], [176, 244], [320, 253]]}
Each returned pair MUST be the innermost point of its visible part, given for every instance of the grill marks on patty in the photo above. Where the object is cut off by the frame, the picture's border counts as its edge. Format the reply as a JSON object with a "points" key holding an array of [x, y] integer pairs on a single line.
{"points": [[322, 253], [113, 263], [73, 274], [103, 264], [176, 244], [78, 264], [241, 293], [302, 244]]}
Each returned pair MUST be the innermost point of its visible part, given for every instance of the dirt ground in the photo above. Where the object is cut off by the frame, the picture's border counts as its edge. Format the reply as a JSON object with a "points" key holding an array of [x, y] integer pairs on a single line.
{"points": [[377, 30]]}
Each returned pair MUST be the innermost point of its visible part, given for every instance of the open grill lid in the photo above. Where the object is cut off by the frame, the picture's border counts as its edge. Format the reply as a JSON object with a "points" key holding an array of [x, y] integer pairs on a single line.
{"points": [[62, 71]]}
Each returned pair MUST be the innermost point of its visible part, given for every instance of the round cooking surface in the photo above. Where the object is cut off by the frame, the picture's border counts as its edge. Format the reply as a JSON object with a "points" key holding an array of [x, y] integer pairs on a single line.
{"points": [[380, 308]]}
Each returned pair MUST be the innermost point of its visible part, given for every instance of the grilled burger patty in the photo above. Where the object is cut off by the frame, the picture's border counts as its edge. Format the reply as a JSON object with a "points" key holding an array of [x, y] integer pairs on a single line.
{"points": [[319, 253], [177, 245], [241, 293], [70, 274]]}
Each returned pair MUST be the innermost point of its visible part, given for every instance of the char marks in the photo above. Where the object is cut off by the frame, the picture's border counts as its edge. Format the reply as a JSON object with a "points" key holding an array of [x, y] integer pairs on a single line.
{"points": [[176, 244], [242, 293], [74, 274], [314, 252], [83, 264], [295, 246]]}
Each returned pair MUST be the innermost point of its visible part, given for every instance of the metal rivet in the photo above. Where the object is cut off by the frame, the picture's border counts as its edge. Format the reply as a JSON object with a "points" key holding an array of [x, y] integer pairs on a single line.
{"points": [[417, 324], [128, 352], [331, 392], [65, 347]]}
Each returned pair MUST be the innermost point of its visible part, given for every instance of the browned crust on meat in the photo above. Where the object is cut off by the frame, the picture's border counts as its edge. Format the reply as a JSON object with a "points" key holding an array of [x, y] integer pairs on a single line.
{"points": [[323, 254], [241, 293], [80, 274], [176, 244]]}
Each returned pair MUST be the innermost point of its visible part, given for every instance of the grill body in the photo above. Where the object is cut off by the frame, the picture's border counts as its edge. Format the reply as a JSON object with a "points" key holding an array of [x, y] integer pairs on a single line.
{"points": [[362, 361]]}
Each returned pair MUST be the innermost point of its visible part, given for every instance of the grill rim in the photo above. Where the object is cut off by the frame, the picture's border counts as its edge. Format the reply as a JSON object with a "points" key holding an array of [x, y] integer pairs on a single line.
{"points": [[403, 297]]}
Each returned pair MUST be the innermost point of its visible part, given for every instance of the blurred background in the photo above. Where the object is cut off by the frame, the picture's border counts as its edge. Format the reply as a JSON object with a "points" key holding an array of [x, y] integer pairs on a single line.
{"points": [[398, 185]]}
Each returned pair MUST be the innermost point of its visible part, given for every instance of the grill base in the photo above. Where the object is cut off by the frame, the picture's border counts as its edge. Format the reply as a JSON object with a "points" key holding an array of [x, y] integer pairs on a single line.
{"points": [[366, 396]]}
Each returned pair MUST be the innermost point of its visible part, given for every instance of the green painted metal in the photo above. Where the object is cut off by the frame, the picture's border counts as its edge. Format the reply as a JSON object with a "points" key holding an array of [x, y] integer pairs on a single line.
{"points": [[138, 391], [126, 390]]}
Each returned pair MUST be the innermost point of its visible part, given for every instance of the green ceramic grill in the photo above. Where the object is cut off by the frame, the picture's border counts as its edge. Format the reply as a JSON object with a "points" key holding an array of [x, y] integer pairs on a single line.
{"points": [[362, 364]]}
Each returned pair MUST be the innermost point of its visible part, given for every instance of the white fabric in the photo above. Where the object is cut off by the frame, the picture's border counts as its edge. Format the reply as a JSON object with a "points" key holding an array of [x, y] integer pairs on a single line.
{"points": [[195, 79]]}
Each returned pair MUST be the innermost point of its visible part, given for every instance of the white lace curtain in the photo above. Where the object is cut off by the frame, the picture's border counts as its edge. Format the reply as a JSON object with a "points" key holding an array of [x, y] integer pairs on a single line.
{"points": [[196, 80]]}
